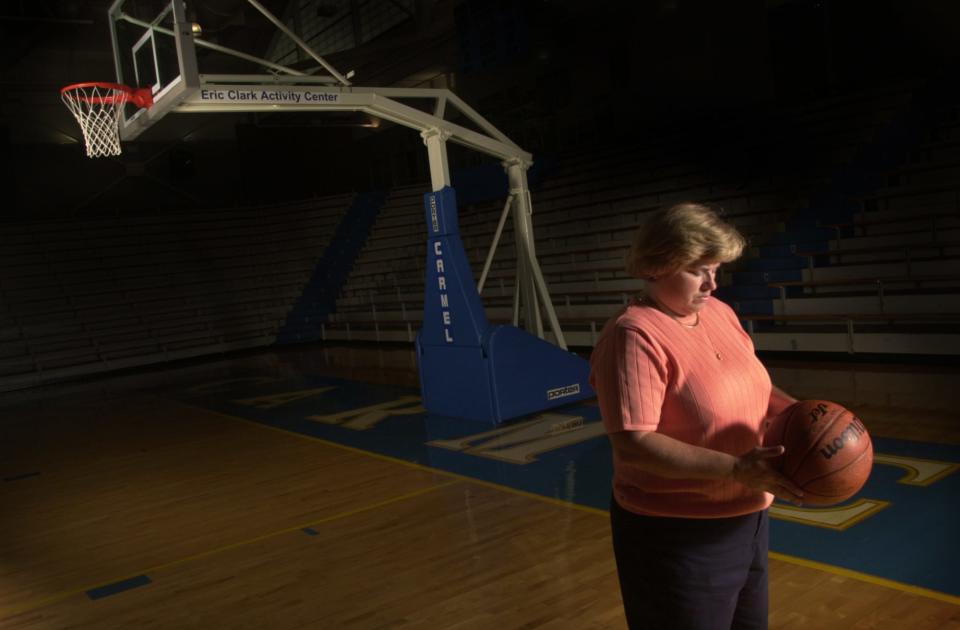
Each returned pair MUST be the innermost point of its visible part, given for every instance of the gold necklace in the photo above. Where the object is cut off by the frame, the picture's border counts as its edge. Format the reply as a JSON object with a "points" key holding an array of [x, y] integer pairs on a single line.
{"points": [[652, 302], [643, 298], [693, 325]]}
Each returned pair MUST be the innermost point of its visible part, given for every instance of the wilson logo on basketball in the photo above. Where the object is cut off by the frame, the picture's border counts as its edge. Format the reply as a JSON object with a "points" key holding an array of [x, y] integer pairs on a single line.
{"points": [[827, 450], [850, 434]]}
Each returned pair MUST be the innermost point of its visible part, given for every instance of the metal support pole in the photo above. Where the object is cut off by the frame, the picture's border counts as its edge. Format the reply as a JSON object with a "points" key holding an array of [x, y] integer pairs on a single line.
{"points": [[515, 318], [493, 246], [528, 270], [436, 141], [526, 296]]}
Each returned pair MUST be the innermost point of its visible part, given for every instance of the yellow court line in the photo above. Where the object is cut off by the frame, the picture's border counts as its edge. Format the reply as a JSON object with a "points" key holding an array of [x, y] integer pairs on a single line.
{"points": [[210, 552], [828, 568], [866, 577]]}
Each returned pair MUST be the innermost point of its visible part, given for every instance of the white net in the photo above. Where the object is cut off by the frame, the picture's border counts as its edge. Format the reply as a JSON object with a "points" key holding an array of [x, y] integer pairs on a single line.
{"points": [[97, 109]]}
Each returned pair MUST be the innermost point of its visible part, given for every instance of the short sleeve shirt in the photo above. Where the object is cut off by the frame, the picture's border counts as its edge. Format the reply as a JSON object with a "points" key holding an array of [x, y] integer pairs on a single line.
{"points": [[702, 385]]}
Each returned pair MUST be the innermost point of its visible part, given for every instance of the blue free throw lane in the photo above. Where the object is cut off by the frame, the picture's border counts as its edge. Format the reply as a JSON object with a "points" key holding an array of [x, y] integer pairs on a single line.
{"points": [[118, 587], [886, 545]]}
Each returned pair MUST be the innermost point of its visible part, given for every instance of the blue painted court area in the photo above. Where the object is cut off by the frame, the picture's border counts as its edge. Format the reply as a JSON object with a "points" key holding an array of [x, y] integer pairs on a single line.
{"points": [[564, 454]]}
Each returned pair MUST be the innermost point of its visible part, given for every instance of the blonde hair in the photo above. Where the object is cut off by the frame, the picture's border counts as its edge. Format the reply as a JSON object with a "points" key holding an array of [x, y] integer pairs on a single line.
{"points": [[679, 236]]}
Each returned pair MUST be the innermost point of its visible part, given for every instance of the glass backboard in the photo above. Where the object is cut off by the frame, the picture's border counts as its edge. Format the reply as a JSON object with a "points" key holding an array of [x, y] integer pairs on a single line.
{"points": [[152, 48]]}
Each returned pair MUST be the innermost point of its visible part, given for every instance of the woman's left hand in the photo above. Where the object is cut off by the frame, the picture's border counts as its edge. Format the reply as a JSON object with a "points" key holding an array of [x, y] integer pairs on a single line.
{"points": [[754, 471]]}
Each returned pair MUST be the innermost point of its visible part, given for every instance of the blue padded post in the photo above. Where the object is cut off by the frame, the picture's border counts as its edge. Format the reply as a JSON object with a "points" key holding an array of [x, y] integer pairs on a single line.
{"points": [[468, 368], [452, 311], [528, 374]]}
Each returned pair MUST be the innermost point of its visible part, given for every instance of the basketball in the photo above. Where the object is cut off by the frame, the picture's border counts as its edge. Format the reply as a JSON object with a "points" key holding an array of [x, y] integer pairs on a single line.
{"points": [[828, 452]]}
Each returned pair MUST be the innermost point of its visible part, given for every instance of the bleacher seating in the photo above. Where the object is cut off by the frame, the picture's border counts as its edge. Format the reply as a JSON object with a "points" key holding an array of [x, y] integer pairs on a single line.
{"points": [[85, 296], [584, 213], [888, 277]]}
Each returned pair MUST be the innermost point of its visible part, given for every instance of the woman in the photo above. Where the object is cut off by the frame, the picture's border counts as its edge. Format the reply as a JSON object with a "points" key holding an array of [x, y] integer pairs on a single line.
{"points": [[683, 399]]}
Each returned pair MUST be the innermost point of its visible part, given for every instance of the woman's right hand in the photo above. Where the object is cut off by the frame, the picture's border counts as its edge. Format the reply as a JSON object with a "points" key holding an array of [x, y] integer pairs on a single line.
{"points": [[754, 471]]}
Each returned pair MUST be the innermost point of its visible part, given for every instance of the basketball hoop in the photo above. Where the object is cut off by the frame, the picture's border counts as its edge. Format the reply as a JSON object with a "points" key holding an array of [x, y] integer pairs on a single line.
{"points": [[97, 107]]}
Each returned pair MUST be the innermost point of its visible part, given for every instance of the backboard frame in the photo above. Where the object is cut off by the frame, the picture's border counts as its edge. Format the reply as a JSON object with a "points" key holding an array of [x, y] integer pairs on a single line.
{"points": [[295, 90], [166, 95]]}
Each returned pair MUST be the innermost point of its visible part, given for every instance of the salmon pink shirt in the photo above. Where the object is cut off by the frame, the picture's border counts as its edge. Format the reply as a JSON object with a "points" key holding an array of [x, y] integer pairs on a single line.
{"points": [[653, 374]]}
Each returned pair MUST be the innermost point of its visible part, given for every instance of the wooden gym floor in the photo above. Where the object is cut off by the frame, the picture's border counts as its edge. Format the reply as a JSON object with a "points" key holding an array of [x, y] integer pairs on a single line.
{"points": [[121, 507]]}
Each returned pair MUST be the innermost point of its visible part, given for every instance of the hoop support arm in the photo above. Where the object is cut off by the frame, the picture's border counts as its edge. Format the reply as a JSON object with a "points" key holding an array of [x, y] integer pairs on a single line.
{"points": [[251, 98], [496, 240]]}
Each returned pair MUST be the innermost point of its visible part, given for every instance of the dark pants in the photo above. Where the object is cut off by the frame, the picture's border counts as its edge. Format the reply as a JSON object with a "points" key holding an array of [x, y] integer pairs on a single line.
{"points": [[692, 574]]}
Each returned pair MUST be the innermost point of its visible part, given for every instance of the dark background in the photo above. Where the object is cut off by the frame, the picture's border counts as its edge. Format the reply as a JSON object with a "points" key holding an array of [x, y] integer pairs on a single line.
{"points": [[556, 76]]}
